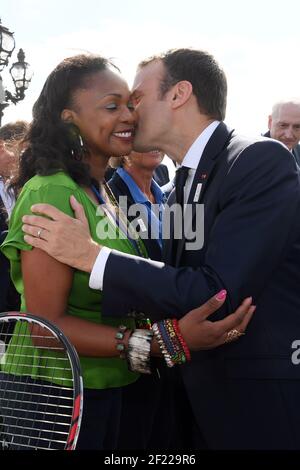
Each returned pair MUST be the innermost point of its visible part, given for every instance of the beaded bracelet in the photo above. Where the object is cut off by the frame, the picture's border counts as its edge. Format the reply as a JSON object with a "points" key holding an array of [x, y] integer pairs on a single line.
{"points": [[179, 356], [171, 343], [120, 346], [162, 346], [180, 337]]}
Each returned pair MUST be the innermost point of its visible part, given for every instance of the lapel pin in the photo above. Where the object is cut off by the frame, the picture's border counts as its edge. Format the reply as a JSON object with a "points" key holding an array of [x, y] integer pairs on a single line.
{"points": [[197, 192]]}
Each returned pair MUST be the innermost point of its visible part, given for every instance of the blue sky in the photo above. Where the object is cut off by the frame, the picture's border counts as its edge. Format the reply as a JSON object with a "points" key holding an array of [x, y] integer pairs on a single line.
{"points": [[257, 43]]}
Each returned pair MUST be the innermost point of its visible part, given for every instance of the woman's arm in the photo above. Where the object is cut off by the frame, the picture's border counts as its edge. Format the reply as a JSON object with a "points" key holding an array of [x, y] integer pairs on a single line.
{"points": [[47, 285]]}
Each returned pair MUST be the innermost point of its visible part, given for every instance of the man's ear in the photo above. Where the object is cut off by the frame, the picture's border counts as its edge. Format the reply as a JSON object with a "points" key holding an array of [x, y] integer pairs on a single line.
{"points": [[67, 115], [270, 122], [181, 93]]}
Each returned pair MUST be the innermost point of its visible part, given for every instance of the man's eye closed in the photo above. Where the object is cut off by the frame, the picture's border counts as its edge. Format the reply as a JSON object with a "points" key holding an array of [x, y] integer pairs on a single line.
{"points": [[135, 100]]}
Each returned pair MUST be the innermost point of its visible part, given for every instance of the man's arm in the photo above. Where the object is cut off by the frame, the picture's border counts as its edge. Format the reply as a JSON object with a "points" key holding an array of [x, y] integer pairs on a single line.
{"points": [[47, 291], [259, 204], [259, 201]]}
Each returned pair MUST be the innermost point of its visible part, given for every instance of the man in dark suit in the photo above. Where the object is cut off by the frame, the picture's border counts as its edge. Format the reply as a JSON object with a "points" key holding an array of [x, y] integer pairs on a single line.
{"points": [[284, 125], [242, 395]]}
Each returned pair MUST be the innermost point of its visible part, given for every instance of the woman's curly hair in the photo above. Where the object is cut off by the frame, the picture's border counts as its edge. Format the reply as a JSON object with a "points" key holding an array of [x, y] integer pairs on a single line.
{"points": [[51, 143]]}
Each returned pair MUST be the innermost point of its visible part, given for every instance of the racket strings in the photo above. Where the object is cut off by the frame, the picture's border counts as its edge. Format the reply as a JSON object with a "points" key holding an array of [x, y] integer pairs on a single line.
{"points": [[36, 397]]}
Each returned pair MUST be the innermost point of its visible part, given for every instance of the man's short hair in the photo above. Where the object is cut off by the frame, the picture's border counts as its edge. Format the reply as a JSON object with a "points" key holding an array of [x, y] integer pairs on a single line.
{"points": [[204, 73]]}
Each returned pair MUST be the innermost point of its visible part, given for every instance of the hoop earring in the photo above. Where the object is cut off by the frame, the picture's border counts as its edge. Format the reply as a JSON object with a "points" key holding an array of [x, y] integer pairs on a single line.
{"points": [[80, 141]]}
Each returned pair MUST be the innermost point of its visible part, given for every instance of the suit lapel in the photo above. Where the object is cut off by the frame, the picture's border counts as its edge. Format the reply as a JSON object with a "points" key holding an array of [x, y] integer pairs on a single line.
{"points": [[204, 176]]}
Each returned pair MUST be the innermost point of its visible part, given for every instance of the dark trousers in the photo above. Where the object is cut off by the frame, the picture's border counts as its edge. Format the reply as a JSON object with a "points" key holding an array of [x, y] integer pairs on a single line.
{"points": [[148, 418], [100, 420]]}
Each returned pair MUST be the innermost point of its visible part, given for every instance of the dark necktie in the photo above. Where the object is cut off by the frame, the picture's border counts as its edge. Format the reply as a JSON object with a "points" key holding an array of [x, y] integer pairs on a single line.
{"points": [[180, 180]]}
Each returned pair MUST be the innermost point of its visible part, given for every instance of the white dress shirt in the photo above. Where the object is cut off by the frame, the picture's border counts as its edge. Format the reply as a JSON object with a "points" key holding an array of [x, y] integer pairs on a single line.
{"points": [[191, 160], [7, 199]]}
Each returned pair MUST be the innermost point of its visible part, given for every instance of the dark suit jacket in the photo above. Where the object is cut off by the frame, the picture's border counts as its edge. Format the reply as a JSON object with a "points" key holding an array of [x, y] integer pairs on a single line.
{"points": [[243, 394], [120, 188], [9, 299], [295, 152], [161, 175]]}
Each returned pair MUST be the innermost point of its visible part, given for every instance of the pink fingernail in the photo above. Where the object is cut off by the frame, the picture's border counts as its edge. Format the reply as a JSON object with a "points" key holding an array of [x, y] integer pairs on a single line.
{"points": [[221, 295]]}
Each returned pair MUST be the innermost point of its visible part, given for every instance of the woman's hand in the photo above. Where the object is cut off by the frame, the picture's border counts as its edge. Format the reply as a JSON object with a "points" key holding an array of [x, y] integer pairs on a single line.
{"points": [[201, 333]]}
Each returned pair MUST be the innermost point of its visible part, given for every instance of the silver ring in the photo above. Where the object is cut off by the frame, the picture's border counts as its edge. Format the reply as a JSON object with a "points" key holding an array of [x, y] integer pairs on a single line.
{"points": [[39, 233]]}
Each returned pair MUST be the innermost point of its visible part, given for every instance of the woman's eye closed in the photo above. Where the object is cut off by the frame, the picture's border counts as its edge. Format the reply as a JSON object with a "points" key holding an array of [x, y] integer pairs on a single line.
{"points": [[111, 106]]}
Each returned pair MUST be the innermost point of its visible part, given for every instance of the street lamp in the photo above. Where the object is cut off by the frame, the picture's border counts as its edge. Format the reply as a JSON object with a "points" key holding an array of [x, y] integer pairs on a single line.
{"points": [[20, 71], [7, 45]]}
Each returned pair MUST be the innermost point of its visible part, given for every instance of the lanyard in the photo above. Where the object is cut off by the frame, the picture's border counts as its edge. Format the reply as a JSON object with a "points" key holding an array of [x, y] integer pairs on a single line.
{"points": [[98, 195], [136, 243]]}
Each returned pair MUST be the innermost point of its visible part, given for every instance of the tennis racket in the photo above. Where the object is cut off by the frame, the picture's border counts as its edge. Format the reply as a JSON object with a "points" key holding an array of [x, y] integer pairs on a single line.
{"points": [[41, 392]]}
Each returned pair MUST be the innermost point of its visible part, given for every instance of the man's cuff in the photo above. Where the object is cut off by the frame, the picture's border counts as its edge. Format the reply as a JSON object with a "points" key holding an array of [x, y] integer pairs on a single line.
{"points": [[97, 274]]}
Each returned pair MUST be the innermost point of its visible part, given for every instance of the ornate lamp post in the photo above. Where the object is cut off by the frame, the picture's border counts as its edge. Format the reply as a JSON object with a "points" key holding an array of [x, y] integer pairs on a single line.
{"points": [[20, 71]]}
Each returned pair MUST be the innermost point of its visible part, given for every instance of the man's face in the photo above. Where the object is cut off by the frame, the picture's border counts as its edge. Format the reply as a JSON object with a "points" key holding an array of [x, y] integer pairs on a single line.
{"points": [[285, 125], [153, 111]]}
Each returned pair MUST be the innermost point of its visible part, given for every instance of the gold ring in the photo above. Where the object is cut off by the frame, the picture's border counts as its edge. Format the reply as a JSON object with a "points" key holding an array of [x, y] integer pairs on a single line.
{"points": [[233, 335]]}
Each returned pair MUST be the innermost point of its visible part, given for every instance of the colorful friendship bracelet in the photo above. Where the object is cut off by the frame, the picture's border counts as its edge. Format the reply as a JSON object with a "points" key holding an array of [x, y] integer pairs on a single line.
{"points": [[171, 343]]}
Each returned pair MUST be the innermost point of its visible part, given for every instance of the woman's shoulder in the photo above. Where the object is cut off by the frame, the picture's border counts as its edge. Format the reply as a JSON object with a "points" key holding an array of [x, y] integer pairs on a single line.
{"points": [[54, 189], [59, 178]]}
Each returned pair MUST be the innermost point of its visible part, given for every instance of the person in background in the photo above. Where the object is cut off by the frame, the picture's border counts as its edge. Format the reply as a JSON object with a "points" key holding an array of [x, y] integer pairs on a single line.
{"points": [[11, 136], [134, 180], [160, 175], [284, 125]]}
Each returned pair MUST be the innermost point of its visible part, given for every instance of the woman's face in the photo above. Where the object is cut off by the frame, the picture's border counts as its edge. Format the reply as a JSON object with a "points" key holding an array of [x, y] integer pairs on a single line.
{"points": [[104, 115], [147, 160]]}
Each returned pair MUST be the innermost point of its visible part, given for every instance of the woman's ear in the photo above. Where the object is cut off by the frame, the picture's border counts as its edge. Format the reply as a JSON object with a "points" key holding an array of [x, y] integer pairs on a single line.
{"points": [[67, 115], [182, 92]]}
